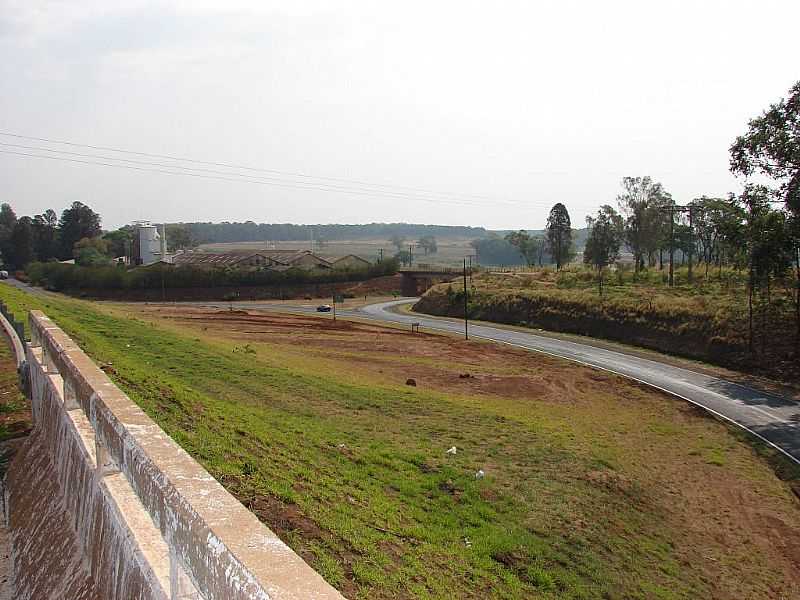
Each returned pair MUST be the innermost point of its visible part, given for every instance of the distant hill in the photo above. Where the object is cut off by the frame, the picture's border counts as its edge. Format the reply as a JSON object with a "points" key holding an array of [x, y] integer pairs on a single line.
{"points": [[278, 232]]}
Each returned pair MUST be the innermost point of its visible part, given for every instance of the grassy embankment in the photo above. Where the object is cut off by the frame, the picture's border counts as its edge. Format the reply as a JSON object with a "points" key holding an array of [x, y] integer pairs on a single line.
{"points": [[706, 321], [14, 408], [593, 489]]}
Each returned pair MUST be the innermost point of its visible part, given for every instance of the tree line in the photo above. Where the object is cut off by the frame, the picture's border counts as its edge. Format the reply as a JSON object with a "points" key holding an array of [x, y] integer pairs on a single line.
{"points": [[250, 231], [45, 236], [756, 232], [76, 234]]}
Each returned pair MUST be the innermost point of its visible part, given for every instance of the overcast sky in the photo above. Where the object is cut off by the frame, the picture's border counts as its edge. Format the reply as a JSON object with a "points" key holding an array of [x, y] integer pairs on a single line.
{"points": [[500, 108]]}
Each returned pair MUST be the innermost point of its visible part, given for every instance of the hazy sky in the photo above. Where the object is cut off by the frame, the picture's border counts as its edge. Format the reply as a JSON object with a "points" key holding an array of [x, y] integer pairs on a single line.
{"points": [[508, 106]]}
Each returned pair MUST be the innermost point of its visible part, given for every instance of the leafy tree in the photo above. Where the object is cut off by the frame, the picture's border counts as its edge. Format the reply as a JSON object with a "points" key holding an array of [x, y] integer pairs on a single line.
{"points": [[398, 241], [494, 250], [641, 203], [23, 251], [404, 257], [92, 252], [559, 234], [7, 222], [77, 222], [769, 252], [45, 235], [428, 244], [771, 147], [120, 242], [531, 248], [793, 291], [606, 232]]}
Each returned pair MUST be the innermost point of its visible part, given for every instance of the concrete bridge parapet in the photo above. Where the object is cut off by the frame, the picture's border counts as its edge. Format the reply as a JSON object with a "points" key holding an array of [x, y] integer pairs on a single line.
{"points": [[102, 504]]}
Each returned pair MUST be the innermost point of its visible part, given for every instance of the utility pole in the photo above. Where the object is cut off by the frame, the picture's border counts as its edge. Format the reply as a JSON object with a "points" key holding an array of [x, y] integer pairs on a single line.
{"points": [[466, 321], [691, 242], [381, 255], [671, 248], [410, 254], [671, 210]]}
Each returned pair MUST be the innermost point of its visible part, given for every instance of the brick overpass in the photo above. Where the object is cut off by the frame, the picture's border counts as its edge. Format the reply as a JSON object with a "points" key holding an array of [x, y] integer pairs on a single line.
{"points": [[417, 281]]}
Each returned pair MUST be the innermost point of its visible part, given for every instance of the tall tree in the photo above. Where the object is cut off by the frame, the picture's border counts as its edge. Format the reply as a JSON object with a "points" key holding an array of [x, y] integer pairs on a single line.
{"points": [[428, 244], [22, 243], [559, 234], [120, 242], [771, 147], [77, 222], [769, 252], [606, 232], [7, 221], [642, 201], [45, 235], [398, 241]]}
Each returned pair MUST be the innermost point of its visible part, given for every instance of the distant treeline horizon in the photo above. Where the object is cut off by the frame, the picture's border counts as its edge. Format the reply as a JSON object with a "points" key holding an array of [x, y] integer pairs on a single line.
{"points": [[250, 231]]}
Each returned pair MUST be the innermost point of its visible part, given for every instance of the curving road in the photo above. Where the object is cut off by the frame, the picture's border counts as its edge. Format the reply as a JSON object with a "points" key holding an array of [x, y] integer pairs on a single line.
{"points": [[773, 418]]}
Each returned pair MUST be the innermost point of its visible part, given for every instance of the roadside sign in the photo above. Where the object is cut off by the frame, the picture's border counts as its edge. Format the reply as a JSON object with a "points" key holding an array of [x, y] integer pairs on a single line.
{"points": [[338, 298]]}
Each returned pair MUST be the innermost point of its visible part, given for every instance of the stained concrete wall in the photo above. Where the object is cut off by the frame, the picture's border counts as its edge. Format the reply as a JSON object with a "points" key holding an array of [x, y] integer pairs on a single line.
{"points": [[103, 504]]}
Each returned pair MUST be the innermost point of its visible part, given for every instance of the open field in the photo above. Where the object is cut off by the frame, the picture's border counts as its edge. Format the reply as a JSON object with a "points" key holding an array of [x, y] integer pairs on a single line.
{"points": [[705, 321], [594, 487], [451, 251]]}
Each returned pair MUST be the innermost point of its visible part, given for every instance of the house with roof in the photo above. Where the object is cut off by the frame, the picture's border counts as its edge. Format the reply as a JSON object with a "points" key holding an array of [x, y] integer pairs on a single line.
{"points": [[350, 261], [279, 260]]}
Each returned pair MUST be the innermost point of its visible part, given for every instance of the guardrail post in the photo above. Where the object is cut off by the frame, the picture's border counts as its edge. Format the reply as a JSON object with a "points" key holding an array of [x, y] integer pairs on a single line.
{"points": [[36, 339], [70, 397], [105, 464], [181, 586]]}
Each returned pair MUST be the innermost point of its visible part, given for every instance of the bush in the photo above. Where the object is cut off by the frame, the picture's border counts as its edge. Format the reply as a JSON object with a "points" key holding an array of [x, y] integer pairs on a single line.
{"points": [[59, 276]]}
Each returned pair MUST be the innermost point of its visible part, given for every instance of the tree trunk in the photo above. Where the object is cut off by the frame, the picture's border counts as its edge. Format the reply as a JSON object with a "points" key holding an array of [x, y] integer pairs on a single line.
{"points": [[600, 280], [797, 303], [750, 311]]}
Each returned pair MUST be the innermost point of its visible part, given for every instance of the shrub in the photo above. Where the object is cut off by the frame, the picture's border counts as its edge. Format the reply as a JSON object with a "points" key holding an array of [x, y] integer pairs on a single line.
{"points": [[59, 276]]}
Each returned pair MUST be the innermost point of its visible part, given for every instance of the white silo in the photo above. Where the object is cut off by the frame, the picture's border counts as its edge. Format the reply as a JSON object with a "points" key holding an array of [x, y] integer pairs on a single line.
{"points": [[147, 247]]}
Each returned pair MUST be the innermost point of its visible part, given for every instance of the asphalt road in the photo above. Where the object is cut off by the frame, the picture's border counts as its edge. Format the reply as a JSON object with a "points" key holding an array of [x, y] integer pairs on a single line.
{"points": [[773, 418]]}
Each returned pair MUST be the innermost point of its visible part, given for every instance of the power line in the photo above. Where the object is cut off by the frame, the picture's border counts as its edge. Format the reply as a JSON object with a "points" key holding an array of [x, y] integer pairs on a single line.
{"points": [[247, 168], [296, 185], [246, 178]]}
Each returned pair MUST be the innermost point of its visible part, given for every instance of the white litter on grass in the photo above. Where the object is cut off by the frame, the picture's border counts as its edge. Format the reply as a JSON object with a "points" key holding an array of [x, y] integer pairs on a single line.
{"points": [[452, 450], [467, 543], [479, 474]]}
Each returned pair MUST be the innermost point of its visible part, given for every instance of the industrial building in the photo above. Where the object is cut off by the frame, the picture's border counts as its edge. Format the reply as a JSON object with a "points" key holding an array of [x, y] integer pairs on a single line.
{"points": [[278, 260]]}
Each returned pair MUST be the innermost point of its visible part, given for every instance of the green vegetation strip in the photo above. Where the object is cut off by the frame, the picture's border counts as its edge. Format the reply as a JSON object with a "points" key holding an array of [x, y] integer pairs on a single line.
{"points": [[355, 476]]}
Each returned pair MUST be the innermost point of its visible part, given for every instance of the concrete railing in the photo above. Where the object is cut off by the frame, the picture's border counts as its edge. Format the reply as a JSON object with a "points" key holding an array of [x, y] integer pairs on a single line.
{"points": [[152, 523], [14, 336]]}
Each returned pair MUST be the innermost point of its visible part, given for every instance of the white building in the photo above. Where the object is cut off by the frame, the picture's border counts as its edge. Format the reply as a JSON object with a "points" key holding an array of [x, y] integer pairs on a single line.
{"points": [[149, 246]]}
